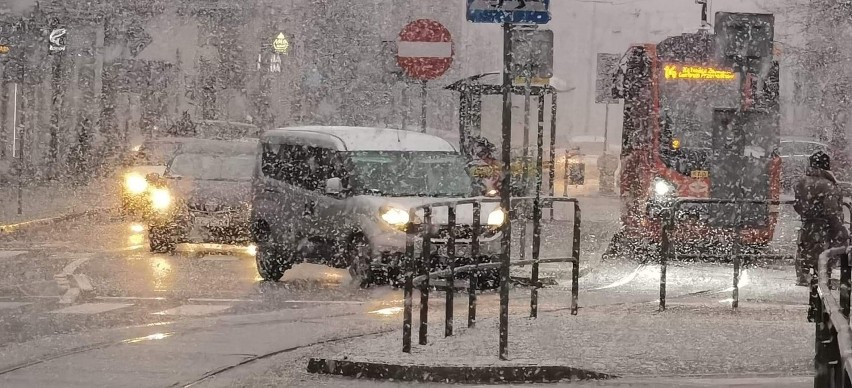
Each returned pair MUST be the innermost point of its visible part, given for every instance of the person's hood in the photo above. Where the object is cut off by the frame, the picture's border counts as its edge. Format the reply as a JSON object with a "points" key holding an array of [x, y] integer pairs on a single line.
{"points": [[820, 173], [212, 195], [464, 213]]}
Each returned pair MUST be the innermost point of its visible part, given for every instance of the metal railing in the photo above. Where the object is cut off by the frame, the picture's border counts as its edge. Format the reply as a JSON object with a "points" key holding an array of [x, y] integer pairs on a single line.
{"points": [[833, 359], [424, 268], [667, 249]]}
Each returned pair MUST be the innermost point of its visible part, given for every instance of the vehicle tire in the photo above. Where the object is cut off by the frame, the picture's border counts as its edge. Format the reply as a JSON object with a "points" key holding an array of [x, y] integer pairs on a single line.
{"points": [[358, 253], [272, 261], [161, 239]]}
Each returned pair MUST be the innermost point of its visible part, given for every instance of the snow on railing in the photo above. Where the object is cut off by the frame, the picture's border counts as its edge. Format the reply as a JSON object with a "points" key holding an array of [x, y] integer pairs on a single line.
{"points": [[833, 359]]}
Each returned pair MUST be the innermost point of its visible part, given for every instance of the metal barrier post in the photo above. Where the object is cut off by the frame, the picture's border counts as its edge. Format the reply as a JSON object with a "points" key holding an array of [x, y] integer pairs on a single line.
{"points": [[844, 283], [536, 248], [665, 248], [552, 170], [575, 255], [736, 292], [474, 276], [823, 340], [426, 264], [451, 257], [408, 287]]}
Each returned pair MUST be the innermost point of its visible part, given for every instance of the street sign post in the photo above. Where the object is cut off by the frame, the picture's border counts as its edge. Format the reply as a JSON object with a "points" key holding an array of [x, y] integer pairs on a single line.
{"points": [[424, 52], [508, 11], [607, 66]]}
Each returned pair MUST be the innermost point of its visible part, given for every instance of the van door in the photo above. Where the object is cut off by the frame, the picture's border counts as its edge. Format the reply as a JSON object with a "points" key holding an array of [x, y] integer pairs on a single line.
{"points": [[271, 191]]}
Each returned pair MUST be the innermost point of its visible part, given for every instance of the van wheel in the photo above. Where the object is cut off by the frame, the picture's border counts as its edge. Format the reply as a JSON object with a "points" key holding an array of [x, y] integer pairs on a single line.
{"points": [[358, 253], [272, 262], [161, 240]]}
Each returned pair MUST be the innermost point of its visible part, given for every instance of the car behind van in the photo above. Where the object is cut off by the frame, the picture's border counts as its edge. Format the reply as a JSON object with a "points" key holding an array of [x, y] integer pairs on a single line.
{"points": [[341, 196]]}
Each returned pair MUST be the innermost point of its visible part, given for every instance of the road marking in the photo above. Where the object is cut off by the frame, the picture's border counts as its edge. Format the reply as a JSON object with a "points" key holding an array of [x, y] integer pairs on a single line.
{"points": [[70, 296], [83, 282], [627, 279], [11, 254], [71, 267], [12, 305], [207, 300], [91, 308], [220, 258], [129, 298], [194, 310], [326, 302]]}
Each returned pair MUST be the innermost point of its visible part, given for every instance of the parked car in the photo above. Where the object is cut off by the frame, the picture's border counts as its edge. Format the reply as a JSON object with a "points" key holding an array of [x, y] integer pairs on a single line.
{"points": [[203, 195], [794, 153], [342, 196]]}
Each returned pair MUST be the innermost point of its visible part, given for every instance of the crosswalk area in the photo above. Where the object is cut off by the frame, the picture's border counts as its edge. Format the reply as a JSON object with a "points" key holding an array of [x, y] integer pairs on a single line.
{"points": [[117, 306]]}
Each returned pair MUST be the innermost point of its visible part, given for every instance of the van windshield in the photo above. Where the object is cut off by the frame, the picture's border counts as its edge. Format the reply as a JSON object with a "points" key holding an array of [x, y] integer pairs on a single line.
{"points": [[409, 174]]}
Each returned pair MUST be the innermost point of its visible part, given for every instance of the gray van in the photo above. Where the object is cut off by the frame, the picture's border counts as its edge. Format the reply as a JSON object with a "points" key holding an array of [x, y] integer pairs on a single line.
{"points": [[340, 196]]}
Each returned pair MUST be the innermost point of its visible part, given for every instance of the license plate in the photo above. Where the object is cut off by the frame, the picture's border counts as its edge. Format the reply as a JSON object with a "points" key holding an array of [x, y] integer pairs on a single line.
{"points": [[700, 174], [210, 222]]}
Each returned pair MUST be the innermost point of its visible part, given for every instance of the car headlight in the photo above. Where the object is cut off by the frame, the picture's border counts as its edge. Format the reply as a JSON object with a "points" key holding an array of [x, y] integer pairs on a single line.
{"points": [[492, 193], [161, 199], [135, 183], [497, 217], [663, 188], [395, 216]]}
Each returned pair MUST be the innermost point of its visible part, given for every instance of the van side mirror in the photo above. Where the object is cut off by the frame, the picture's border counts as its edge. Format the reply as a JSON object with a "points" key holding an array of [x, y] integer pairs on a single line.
{"points": [[334, 186]]}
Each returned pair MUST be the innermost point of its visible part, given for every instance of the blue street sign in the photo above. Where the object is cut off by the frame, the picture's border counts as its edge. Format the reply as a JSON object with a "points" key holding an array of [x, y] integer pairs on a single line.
{"points": [[508, 11]]}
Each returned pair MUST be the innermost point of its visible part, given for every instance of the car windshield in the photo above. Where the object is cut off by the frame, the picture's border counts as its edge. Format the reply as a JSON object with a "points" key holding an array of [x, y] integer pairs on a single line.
{"points": [[800, 148], [403, 174], [212, 167], [156, 153]]}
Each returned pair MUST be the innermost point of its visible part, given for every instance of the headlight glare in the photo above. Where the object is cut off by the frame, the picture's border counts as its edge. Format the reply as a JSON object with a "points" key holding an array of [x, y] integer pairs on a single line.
{"points": [[161, 199], [497, 217], [135, 183], [663, 188], [395, 216]]}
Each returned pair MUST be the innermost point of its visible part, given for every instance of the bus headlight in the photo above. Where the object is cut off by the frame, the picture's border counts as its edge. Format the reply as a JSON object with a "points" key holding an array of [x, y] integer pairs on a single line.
{"points": [[663, 188], [161, 199], [497, 217], [395, 216], [135, 183]]}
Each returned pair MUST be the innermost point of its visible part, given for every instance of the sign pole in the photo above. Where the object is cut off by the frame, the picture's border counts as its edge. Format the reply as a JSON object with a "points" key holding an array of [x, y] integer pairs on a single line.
{"points": [[525, 178], [505, 194], [423, 106]]}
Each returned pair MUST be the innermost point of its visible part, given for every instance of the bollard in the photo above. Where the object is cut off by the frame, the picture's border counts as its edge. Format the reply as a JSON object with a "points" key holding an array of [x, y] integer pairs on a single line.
{"points": [[575, 254], [664, 254], [426, 263], [406, 314], [735, 303], [451, 257]]}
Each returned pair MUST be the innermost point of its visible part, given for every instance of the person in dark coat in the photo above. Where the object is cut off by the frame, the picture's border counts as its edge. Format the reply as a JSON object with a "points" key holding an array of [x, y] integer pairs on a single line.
{"points": [[819, 203]]}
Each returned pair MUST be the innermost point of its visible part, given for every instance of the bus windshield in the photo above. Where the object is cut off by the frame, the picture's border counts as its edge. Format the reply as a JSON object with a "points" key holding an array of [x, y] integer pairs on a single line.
{"points": [[687, 102]]}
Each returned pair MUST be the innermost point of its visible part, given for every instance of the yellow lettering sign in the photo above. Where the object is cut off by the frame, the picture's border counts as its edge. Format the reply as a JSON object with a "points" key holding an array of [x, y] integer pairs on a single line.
{"points": [[697, 73]]}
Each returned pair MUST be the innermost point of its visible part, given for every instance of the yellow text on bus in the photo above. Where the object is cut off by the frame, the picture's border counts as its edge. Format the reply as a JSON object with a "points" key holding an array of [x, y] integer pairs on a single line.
{"points": [[697, 73]]}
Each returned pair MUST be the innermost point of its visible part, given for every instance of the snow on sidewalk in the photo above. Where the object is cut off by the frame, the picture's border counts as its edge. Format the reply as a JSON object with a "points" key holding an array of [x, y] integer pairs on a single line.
{"points": [[619, 340], [54, 200]]}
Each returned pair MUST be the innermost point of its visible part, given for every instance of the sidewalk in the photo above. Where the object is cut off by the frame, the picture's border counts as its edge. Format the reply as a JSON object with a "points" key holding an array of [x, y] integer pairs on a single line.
{"points": [[633, 342], [54, 200]]}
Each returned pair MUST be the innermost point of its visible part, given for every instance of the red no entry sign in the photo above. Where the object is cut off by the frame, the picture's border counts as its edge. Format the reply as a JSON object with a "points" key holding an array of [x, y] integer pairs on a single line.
{"points": [[425, 49]]}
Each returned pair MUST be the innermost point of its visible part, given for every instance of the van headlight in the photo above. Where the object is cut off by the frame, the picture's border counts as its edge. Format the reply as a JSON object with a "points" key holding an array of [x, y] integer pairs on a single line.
{"points": [[135, 183], [395, 216], [161, 199], [663, 188], [497, 217]]}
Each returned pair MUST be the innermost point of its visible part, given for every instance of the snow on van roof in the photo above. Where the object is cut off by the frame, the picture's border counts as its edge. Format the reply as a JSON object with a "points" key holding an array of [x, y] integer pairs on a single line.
{"points": [[364, 138], [206, 146]]}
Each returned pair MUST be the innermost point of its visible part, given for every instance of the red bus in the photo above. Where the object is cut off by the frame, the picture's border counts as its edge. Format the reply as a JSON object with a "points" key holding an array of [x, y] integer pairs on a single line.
{"points": [[671, 147]]}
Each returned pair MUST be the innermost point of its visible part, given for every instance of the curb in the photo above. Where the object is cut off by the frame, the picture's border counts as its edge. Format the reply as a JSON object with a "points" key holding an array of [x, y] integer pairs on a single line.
{"points": [[453, 374], [11, 228]]}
